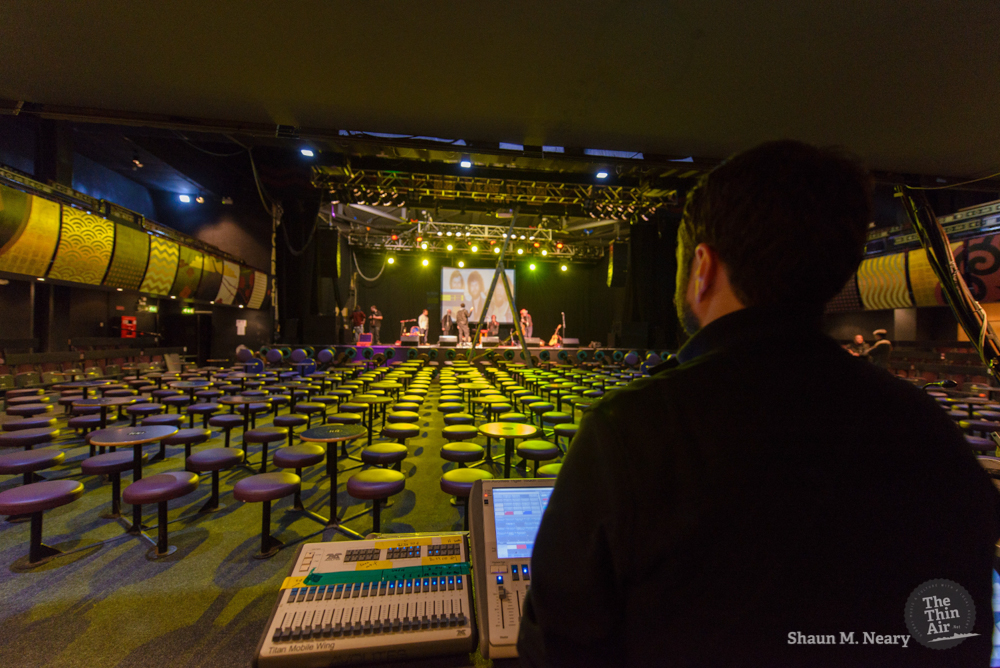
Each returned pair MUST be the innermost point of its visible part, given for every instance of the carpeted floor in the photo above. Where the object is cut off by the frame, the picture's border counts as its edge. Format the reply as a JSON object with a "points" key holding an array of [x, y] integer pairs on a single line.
{"points": [[207, 604]]}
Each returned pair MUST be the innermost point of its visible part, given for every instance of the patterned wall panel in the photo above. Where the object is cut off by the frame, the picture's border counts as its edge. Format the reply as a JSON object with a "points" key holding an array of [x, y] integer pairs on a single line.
{"points": [[847, 299], [85, 244], [230, 282], [29, 228], [244, 290], [259, 290], [162, 266], [882, 282], [189, 266], [980, 266], [211, 279], [128, 264], [923, 281]]}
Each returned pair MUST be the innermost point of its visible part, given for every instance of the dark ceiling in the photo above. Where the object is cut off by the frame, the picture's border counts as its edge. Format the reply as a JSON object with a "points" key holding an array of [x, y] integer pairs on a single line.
{"points": [[911, 86]]}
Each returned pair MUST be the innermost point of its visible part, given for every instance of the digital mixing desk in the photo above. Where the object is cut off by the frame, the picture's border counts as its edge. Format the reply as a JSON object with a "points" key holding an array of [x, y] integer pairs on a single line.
{"points": [[372, 601]]}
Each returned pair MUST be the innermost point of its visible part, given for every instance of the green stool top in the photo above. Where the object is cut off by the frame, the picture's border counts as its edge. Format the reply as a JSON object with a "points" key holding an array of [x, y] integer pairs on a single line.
{"points": [[513, 417], [459, 432]]}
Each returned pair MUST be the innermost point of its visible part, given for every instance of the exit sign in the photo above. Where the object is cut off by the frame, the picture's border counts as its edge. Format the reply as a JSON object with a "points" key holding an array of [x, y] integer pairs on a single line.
{"points": [[187, 310]]}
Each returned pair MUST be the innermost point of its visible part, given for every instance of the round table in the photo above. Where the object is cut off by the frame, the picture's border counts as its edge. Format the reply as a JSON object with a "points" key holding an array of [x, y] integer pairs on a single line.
{"points": [[191, 385], [234, 401], [242, 377], [85, 385], [159, 377], [469, 389], [490, 399], [509, 432], [333, 433], [389, 386], [104, 403], [372, 401]]}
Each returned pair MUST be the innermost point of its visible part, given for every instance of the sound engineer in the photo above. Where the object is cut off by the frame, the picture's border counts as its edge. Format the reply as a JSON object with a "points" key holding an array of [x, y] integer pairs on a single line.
{"points": [[751, 495]]}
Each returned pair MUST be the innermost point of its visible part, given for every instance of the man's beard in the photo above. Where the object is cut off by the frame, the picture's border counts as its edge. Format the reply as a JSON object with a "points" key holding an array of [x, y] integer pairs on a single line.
{"points": [[686, 316]]}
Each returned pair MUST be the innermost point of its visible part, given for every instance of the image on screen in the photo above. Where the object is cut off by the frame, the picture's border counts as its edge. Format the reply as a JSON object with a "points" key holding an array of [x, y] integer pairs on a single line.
{"points": [[517, 513], [469, 286]]}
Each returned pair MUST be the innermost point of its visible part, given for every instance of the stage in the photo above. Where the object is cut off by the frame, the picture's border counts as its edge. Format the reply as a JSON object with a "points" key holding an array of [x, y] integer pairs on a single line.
{"points": [[436, 352]]}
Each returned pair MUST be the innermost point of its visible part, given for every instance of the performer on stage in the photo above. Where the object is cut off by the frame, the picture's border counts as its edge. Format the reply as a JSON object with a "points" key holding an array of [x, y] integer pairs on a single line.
{"points": [[493, 326], [375, 324], [446, 323], [358, 318], [423, 322], [463, 323], [526, 325]]}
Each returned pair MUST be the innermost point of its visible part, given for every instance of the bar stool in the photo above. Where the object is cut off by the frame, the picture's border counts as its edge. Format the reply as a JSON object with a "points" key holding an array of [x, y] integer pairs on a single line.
{"points": [[265, 488], [263, 436], [567, 431], [187, 438], [541, 407], [344, 418], [143, 410], [34, 500], [28, 410], [402, 416], [205, 410], [376, 485], [459, 432], [26, 462], [112, 464], [27, 438], [448, 408], [401, 431], [160, 489], [548, 471], [537, 450], [214, 460], [513, 417], [171, 420], [458, 483], [289, 422], [311, 408], [298, 457], [494, 411], [385, 455], [462, 452], [459, 418], [406, 406], [177, 401], [226, 423]]}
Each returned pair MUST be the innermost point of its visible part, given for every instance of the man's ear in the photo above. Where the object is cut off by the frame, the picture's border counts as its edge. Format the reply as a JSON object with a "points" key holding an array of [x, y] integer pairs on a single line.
{"points": [[706, 269]]}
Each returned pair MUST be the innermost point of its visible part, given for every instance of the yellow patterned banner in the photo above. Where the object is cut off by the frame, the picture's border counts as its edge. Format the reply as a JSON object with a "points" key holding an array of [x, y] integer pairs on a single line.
{"points": [[259, 290], [162, 266], [230, 281], [129, 261], [33, 227], [882, 282], [924, 282], [189, 268], [85, 243]]}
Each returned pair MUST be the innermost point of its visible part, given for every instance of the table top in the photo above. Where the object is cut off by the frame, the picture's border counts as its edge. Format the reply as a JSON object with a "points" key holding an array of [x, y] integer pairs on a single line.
{"points": [[87, 383], [187, 384], [474, 386], [106, 401], [233, 401], [131, 435], [508, 430], [332, 433], [387, 385], [373, 400], [491, 399]]}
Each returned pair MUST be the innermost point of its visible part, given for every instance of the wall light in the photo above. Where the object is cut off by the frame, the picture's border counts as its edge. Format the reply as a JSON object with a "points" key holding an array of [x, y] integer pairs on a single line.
{"points": [[602, 175], [184, 198], [308, 152], [199, 199], [423, 246], [544, 252], [466, 162]]}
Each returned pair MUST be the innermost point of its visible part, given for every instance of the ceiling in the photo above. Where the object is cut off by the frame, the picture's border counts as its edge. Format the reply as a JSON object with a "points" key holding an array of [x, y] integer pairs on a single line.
{"points": [[912, 86]]}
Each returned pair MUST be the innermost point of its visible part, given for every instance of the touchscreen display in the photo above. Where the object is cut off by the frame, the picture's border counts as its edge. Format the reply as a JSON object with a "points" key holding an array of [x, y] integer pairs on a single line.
{"points": [[517, 512]]}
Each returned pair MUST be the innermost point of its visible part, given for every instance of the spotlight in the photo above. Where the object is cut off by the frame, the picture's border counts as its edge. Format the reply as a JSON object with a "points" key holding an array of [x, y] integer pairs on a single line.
{"points": [[458, 234], [199, 199], [184, 198], [544, 252], [40, 279], [395, 238], [118, 289], [475, 249], [449, 234], [173, 296], [564, 267], [532, 237], [419, 239], [241, 305], [461, 264], [425, 262], [466, 162], [522, 236], [559, 246], [531, 266], [602, 174], [496, 249], [450, 247], [536, 244], [423, 246], [391, 260], [307, 152], [439, 234], [520, 251]]}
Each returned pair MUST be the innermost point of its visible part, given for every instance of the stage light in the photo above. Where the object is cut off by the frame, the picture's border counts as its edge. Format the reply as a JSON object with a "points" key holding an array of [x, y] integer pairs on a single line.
{"points": [[450, 247], [531, 238], [520, 251], [544, 252], [119, 289], [602, 175], [475, 249], [504, 235], [564, 267], [458, 234], [419, 239], [391, 260], [496, 249], [460, 264], [199, 199], [439, 234], [184, 198], [536, 244], [466, 162], [522, 236], [559, 246], [425, 262], [395, 238], [531, 266], [423, 246], [307, 152], [449, 233]]}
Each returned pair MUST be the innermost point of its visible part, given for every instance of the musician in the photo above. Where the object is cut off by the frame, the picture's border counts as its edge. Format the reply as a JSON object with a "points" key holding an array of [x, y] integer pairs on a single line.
{"points": [[462, 320], [423, 322], [358, 318], [858, 346], [446, 323], [375, 324], [493, 326], [526, 325], [878, 353], [747, 492]]}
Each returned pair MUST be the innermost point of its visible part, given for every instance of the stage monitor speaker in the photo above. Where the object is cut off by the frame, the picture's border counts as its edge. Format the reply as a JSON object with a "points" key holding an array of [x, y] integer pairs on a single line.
{"points": [[447, 340], [491, 341], [571, 342], [365, 340], [533, 341], [617, 264], [409, 340]]}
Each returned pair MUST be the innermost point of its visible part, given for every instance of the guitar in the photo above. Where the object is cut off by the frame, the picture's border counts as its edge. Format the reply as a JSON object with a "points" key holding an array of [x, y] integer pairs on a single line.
{"points": [[556, 339]]}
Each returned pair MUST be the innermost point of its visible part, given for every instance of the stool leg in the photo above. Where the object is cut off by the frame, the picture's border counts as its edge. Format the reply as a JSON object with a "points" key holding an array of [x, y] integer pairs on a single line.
{"points": [[263, 459], [116, 493], [536, 468], [297, 498], [269, 545], [213, 502], [290, 432], [134, 416], [227, 430], [38, 552], [465, 521], [377, 515], [190, 420], [162, 547]]}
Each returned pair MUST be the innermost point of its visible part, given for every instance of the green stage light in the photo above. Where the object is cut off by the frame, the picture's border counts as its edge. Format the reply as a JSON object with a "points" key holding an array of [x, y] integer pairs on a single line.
{"points": [[531, 266]]}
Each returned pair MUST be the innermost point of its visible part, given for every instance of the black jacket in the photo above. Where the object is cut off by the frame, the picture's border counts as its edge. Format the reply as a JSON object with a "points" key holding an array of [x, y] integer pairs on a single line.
{"points": [[753, 491]]}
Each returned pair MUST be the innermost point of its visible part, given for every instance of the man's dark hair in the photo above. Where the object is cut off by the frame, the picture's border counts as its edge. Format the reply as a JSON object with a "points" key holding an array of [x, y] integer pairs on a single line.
{"points": [[788, 220]]}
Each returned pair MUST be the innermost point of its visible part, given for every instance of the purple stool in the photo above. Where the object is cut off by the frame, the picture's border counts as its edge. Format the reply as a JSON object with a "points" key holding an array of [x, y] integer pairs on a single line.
{"points": [[31, 399], [311, 408], [38, 422], [171, 420], [214, 460], [204, 410], [143, 410], [264, 437], [25, 392], [265, 488], [160, 489], [376, 485], [112, 465], [176, 401], [28, 410], [289, 422], [298, 457], [226, 423], [187, 438], [981, 445], [385, 454], [538, 450], [27, 438], [33, 500], [458, 483], [160, 395], [29, 461], [462, 452]]}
